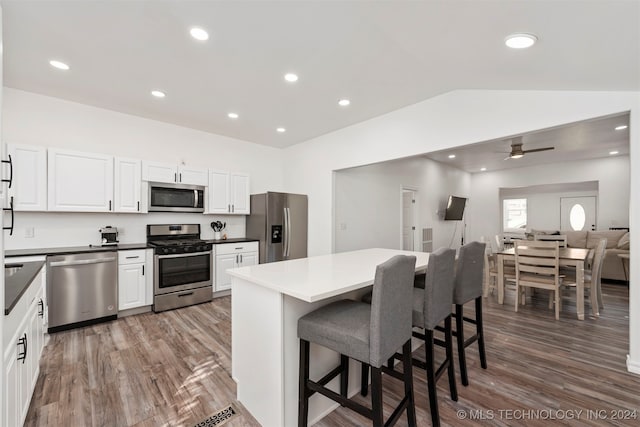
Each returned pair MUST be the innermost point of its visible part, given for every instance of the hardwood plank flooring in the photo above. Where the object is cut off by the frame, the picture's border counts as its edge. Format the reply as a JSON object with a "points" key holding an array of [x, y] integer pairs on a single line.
{"points": [[174, 369]]}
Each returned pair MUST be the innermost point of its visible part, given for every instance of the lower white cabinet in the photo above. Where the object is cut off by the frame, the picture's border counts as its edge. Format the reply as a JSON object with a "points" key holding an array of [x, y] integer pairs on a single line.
{"points": [[233, 255], [24, 341], [133, 279]]}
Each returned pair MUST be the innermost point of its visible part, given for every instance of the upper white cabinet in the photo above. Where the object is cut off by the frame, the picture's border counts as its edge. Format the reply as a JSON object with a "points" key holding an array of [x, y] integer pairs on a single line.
{"points": [[172, 173], [128, 183], [29, 177], [80, 182], [228, 193]]}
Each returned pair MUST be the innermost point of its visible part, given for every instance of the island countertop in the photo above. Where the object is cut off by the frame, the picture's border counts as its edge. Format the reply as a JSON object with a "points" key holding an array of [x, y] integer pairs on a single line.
{"points": [[319, 277]]}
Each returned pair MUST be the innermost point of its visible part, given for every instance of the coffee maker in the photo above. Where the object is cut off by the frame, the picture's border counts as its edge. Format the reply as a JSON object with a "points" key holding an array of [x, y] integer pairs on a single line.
{"points": [[109, 235]]}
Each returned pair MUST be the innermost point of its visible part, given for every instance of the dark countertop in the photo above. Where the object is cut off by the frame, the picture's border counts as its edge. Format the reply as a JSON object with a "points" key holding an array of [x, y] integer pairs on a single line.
{"points": [[73, 250], [88, 248], [16, 284]]}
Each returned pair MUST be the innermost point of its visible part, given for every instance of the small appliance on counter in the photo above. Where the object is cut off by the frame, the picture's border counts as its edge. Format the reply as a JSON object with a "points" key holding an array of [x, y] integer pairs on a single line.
{"points": [[109, 236]]}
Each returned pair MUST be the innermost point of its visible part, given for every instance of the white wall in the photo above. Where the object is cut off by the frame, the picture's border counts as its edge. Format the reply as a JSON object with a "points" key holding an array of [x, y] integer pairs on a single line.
{"points": [[368, 202], [612, 174], [30, 118], [455, 119]]}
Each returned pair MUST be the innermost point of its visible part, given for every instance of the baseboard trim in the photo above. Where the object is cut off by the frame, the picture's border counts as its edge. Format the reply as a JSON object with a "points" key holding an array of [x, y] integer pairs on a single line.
{"points": [[633, 366]]}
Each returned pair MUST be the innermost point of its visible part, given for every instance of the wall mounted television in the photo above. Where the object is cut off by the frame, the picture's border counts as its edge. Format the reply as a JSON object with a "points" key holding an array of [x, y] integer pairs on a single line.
{"points": [[455, 208]]}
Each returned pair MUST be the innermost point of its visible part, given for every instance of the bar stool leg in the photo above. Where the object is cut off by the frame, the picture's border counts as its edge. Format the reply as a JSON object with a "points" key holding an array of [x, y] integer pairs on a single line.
{"points": [[344, 375], [449, 352], [364, 382], [407, 367], [460, 340], [431, 378], [376, 397], [480, 332], [303, 395]]}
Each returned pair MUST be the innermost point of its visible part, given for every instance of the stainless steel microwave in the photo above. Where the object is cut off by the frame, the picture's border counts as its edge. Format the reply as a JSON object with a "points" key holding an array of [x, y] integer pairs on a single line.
{"points": [[175, 197]]}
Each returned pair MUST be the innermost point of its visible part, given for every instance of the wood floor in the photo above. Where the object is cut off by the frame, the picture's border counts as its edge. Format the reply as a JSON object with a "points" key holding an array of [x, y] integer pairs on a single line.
{"points": [[173, 369]]}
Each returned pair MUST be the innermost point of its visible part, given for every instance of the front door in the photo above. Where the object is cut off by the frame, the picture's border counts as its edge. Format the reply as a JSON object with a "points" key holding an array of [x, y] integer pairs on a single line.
{"points": [[578, 213]]}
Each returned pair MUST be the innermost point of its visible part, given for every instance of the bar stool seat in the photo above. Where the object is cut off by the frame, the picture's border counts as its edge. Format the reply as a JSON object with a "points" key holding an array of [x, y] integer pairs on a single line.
{"points": [[342, 326]]}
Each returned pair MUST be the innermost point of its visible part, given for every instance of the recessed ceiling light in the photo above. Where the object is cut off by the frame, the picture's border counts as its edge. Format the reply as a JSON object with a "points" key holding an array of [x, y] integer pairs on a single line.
{"points": [[199, 34], [452, 156], [281, 130], [613, 153], [158, 93], [344, 102], [520, 40], [233, 115], [483, 169], [59, 65], [621, 127], [290, 77]]}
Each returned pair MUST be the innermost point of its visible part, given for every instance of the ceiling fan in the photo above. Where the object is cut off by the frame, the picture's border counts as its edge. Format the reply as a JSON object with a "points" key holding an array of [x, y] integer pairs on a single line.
{"points": [[517, 151]]}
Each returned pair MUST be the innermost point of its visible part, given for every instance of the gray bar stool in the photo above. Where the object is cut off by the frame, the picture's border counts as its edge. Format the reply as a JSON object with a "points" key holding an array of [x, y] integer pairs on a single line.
{"points": [[431, 306], [370, 334], [468, 286]]}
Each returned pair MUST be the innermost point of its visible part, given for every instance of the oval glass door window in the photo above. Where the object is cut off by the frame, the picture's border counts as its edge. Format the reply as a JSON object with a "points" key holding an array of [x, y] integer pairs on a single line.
{"points": [[577, 217]]}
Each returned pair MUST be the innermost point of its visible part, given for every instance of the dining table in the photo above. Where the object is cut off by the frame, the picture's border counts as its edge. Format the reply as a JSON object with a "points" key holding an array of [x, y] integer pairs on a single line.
{"points": [[568, 257]]}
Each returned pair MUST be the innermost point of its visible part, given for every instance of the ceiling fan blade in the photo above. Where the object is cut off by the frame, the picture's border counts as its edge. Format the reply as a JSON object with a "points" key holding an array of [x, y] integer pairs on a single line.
{"points": [[539, 149]]}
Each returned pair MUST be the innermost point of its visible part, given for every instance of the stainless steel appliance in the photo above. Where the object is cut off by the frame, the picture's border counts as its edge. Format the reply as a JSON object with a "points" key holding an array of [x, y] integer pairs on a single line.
{"points": [[279, 221], [81, 289], [175, 197], [183, 266], [109, 235]]}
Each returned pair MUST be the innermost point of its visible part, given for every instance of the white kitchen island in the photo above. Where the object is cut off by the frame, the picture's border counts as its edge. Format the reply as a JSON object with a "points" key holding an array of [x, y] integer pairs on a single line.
{"points": [[267, 301]]}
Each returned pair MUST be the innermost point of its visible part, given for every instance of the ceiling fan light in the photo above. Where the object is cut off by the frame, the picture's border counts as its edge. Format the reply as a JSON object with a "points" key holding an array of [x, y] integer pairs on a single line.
{"points": [[516, 156]]}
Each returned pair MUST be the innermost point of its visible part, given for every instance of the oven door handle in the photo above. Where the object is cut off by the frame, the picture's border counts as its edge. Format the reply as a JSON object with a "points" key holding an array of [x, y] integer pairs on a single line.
{"points": [[183, 255]]}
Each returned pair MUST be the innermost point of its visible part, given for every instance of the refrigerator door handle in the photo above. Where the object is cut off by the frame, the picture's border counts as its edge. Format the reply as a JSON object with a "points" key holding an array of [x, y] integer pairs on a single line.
{"points": [[288, 235]]}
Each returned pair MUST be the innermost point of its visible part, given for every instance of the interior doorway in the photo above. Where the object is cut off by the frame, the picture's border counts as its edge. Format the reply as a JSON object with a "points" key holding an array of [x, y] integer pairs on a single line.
{"points": [[409, 220], [578, 213]]}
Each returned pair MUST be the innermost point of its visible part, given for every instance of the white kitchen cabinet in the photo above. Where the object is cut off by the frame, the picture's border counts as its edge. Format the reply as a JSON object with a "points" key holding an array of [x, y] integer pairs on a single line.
{"points": [[23, 344], [28, 171], [228, 193], [233, 255], [173, 173], [132, 279], [79, 182], [127, 185]]}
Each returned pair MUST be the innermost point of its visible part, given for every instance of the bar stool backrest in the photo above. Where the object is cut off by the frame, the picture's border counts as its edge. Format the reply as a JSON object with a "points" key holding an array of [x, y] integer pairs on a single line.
{"points": [[438, 287], [469, 273]]}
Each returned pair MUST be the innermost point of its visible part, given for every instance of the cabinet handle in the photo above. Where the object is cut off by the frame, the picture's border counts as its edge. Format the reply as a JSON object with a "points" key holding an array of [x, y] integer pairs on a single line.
{"points": [[109, 204], [237, 259], [143, 270], [10, 180], [229, 208], [10, 208], [180, 176], [41, 308], [138, 206], [233, 208], [23, 342], [175, 177], [132, 257], [240, 258]]}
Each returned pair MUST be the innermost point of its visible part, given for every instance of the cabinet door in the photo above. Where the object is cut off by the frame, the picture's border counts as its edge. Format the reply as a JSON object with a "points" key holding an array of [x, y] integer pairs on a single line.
{"points": [[26, 369], [11, 416], [80, 182], [193, 176], [131, 286], [159, 172], [248, 258], [128, 181], [35, 346], [240, 194], [219, 197], [29, 170], [224, 262]]}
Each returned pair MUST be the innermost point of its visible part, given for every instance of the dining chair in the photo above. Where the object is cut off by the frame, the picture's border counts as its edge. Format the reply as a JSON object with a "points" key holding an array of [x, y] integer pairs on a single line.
{"points": [[591, 276], [537, 266], [491, 272], [560, 238], [367, 333]]}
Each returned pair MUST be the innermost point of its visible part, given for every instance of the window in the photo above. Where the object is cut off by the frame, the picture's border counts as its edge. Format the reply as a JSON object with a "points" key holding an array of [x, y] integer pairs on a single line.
{"points": [[514, 215]]}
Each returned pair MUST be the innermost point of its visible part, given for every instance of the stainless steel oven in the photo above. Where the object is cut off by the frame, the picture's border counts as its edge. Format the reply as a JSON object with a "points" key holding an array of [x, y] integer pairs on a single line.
{"points": [[175, 197], [181, 272]]}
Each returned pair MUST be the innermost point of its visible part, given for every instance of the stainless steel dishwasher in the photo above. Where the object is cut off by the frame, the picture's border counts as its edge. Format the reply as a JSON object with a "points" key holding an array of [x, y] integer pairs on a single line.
{"points": [[82, 288]]}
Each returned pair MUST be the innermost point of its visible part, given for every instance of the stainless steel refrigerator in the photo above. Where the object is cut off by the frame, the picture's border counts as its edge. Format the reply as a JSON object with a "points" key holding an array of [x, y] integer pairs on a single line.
{"points": [[279, 221]]}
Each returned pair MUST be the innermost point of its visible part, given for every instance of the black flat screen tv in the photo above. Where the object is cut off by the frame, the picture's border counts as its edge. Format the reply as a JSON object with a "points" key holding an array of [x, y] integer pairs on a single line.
{"points": [[455, 208]]}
